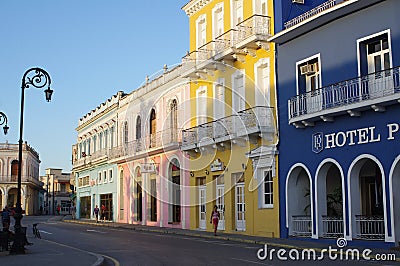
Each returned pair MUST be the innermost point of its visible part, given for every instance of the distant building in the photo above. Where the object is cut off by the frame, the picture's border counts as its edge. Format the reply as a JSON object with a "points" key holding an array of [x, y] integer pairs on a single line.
{"points": [[31, 186], [58, 191]]}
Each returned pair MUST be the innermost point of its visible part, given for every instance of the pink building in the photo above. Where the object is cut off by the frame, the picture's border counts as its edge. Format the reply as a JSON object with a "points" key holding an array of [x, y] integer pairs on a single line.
{"points": [[152, 177]]}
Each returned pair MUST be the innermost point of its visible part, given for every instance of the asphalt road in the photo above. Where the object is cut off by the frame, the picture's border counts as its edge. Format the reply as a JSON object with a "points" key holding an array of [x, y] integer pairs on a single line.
{"points": [[129, 247]]}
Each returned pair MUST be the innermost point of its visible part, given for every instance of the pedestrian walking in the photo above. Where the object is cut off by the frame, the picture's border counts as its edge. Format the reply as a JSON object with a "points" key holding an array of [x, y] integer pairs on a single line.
{"points": [[73, 212], [5, 218], [103, 213], [96, 213], [214, 219], [58, 209]]}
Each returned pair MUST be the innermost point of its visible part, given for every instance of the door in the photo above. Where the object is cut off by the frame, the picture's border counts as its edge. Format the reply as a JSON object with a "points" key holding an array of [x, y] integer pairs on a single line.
{"points": [[221, 206], [378, 58], [240, 207], [202, 207], [139, 201]]}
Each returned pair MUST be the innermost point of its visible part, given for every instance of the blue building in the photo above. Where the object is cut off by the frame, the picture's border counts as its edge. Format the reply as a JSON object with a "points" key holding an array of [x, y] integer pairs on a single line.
{"points": [[338, 96]]}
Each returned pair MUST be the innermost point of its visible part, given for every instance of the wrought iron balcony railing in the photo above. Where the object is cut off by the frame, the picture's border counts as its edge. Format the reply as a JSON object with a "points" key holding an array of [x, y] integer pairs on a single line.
{"points": [[370, 227], [246, 122], [375, 86], [324, 6]]}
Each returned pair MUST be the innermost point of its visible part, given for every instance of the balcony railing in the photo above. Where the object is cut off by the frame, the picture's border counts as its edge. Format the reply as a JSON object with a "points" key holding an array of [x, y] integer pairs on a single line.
{"points": [[255, 25], [160, 139], [256, 119], [14, 178], [89, 158], [324, 6], [225, 44], [332, 227], [301, 225], [370, 227], [358, 90]]}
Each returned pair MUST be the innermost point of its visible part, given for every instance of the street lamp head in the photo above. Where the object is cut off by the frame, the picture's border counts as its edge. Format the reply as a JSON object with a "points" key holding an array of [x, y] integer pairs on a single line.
{"points": [[48, 94], [5, 128]]}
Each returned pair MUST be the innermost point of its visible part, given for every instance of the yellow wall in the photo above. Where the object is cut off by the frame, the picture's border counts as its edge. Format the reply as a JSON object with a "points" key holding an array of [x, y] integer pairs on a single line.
{"points": [[263, 222]]}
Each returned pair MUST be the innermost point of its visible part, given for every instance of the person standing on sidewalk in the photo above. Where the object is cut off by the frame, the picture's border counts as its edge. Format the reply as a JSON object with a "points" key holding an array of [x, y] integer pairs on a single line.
{"points": [[214, 219], [103, 212], [96, 213]]}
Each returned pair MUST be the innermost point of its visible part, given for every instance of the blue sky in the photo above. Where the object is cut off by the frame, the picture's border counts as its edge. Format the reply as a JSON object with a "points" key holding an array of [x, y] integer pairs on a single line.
{"points": [[91, 49]]}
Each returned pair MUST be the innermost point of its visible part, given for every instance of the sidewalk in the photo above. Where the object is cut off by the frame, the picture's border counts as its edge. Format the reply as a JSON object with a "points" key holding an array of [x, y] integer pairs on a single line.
{"points": [[45, 252], [287, 243]]}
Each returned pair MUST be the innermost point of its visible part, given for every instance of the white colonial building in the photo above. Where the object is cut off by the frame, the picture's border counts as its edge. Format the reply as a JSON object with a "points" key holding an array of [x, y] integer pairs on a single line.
{"points": [[31, 186]]}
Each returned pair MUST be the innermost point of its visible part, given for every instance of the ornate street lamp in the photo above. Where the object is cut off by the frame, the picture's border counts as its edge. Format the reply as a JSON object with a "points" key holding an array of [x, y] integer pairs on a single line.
{"points": [[38, 78], [3, 119]]}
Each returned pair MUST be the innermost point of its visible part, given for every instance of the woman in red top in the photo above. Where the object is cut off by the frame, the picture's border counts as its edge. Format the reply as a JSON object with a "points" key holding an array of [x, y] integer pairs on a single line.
{"points": [[215, 218]]}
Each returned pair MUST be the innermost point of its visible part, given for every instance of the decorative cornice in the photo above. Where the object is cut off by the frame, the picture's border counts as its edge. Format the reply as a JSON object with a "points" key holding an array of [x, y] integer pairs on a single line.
{"points": [[194, 5]]}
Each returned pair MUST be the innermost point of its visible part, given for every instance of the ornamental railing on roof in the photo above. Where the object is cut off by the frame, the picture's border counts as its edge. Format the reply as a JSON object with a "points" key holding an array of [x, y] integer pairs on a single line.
{"points": [[324, 6]]}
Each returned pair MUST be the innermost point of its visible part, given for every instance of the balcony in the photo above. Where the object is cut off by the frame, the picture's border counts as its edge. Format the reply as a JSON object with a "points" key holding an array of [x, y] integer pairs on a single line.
{"points": [[350, 96], [257, 120], [324, 6], [160, 141], [24, 179], [247, 36], [91, 158], [253, 32]]}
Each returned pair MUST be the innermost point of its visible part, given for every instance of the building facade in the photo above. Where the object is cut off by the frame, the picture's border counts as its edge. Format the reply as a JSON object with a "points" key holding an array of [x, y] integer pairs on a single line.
{"points": [[31, 186], [58, 191], [338, 83], [95, 176], [231, 137], [151, 168]]}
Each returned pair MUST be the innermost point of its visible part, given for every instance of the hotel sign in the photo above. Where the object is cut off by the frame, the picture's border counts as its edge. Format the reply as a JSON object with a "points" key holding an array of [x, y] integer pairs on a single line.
{"points": [[321, 141]]}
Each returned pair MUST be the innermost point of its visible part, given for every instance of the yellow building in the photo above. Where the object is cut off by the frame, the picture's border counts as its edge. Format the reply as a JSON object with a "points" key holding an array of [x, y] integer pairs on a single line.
{"points": [[232, 136]]}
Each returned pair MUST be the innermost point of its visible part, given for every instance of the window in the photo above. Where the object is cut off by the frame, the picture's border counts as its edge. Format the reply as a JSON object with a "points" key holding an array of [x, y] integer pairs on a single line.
{"points": [[110, 175], [104, 176], [125, 134], [262, 80], [106, 139], [94, 143], [374, 53], [112, 137], [309, 82], [237, 12], [101, 143], [238, 93], [152, 128], [218, 20], [219, 99], [174, 120], [99, 177], [138, 127], [63, 187], [201, 105], [268, 189], [261, 7], [201, 31]]}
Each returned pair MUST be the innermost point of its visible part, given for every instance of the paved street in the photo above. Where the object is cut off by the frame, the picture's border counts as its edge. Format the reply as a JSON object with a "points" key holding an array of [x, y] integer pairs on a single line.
{"points": [[119, 246]]}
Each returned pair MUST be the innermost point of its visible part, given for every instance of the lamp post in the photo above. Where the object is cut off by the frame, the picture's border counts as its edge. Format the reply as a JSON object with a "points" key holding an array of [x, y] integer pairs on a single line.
{"points": [[37, 78], [3, 120]]}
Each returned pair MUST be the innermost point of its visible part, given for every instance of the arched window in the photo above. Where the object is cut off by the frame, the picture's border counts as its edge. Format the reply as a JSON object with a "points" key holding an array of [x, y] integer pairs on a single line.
{"points": [[14, 168], [152, 128], [174, 119], [126, 139], [138, 127]]}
